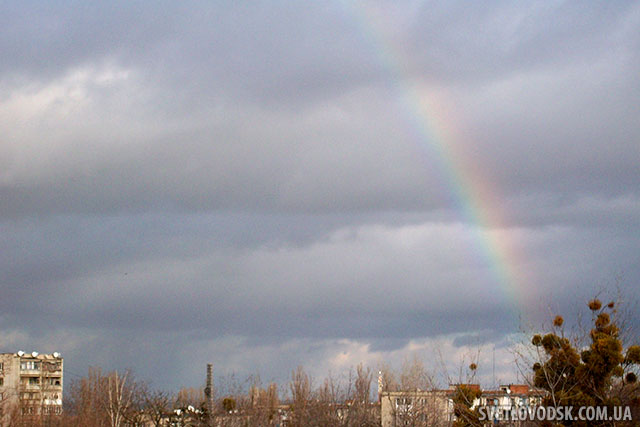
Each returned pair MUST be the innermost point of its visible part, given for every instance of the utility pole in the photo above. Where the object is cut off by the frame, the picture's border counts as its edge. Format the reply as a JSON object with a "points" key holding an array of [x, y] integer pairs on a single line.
{"points": [[208, 393]]}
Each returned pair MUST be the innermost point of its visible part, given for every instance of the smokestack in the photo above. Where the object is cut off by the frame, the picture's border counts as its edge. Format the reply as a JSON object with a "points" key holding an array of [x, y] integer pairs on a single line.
{"points": [[208, 392], [380, 386]]}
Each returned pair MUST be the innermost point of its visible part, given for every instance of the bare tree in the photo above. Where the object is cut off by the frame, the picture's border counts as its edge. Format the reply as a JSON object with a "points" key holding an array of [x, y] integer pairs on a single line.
{"points": [[327, 400], [189, 396], [388, 377], [120, 393], [84, 400], [361, 411], [261, 407], [100, 400], [414, 375], [416, 401], [300, 387], [157, 404]]}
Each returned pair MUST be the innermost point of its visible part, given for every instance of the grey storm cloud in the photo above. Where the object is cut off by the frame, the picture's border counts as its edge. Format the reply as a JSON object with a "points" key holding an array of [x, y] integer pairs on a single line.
{"points": [[248, 183]]}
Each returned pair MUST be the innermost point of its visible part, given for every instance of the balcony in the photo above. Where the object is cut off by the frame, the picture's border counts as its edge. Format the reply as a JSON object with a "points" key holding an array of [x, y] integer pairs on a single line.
{"points": [[29, 387], [30, 383], [29, 366], [51, 367]]}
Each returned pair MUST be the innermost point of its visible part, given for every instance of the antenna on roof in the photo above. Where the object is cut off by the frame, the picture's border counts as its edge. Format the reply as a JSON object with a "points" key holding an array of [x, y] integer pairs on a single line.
{"points": [[34, 353], [20, 353]]}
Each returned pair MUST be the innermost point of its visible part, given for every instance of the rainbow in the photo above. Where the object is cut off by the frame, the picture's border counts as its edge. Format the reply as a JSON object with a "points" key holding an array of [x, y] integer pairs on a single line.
{"points": [[474, 196]]}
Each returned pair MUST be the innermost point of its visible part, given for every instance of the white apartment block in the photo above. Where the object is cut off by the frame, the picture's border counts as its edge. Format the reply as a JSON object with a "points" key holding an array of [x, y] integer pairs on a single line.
{"points": [[30, 383]]}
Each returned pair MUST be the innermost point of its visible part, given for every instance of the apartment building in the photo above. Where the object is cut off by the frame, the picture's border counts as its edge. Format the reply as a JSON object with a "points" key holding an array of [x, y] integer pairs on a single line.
{"points": [[510, 397], [416, 408], [436, 407], [31, 383]]}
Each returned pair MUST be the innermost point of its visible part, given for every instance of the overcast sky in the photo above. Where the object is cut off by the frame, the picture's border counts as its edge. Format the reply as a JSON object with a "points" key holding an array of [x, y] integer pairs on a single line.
{"points": [[266, 184]]}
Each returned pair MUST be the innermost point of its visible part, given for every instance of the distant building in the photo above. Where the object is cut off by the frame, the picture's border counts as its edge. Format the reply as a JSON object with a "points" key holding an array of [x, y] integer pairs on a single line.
{"points": [[436, 407], [30, 383], [416, 408], [508, 398]]}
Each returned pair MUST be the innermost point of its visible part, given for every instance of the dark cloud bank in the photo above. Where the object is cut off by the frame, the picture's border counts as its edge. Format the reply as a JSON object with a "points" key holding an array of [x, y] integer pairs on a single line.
{"points": [[242, 184]]}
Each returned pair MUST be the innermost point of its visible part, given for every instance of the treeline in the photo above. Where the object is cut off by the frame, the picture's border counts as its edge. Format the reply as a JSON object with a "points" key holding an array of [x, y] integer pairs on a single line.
{"points": [[596, 364], [120, 399]]}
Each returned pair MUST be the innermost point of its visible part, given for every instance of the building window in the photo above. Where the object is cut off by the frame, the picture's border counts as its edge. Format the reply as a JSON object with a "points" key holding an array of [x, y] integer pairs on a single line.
{"points": [[30, 396], [1, 381], [1, 366], [34, 380], [51, 366], [54, 381], [52, 409], [30, 365]]}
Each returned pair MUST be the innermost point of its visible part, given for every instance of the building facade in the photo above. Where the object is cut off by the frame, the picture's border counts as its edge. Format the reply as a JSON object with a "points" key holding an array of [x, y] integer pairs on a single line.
{"points": [[428, 408], [435, 408], [31, 383]]}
